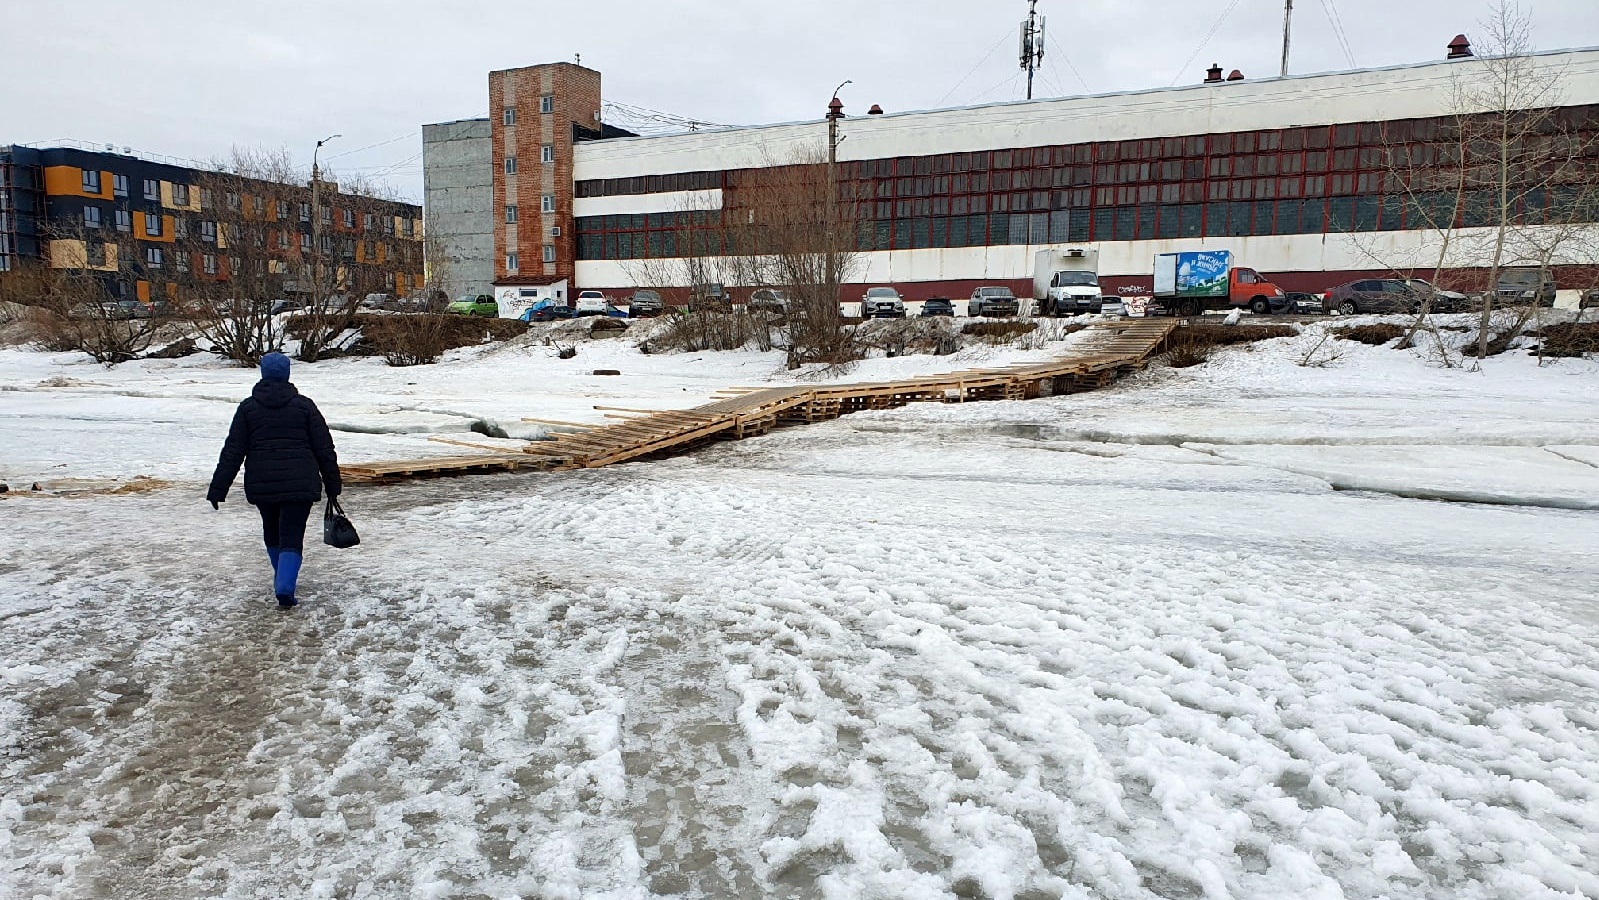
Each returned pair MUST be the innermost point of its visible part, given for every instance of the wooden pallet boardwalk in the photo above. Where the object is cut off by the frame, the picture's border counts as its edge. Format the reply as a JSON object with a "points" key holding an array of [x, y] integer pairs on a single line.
{"points": [[1105, 352]]}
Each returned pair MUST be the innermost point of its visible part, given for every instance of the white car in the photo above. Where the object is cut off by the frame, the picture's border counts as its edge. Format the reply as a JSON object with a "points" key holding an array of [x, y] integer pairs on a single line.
{"points": [[592, 303], [1112, 306], [882, 303]]}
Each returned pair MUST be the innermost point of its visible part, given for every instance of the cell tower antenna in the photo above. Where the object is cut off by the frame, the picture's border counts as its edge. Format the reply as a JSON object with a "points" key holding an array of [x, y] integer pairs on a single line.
{"points": [[1032, 43], [1288, 33]]}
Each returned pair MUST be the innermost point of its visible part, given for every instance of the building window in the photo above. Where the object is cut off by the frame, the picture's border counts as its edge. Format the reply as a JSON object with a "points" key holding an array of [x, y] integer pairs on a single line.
{"points": [[510, 215], [124, 220], [257, 207], [349, 218], [282, 208], [326, 215], [547, 104], [305, 212], [180, 261], [388, 224], [152, 257], [549, 253], [207, 200], [233, 201], [510, 262], [119, 185], [152, 224], [305, 243], [509, 115], [283, 240], [180, 228], [326, 243], [510, 165], [208, 232], [547, 203], [210, 261], [152, 189], [369, 222], [91, 217], [547, 153], [180, 195], [94, 253], [91, 181]]}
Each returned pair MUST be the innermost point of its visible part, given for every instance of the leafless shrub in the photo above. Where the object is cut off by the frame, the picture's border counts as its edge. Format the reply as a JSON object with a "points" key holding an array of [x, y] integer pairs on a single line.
{"points": [[1323, 353], [1573, 339], [998, 332], [1376, 335], [692, 332]]}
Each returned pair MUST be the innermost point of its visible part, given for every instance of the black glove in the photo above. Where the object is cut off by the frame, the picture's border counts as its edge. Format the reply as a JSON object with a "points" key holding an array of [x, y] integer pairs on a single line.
{"points": [[216, 504]]}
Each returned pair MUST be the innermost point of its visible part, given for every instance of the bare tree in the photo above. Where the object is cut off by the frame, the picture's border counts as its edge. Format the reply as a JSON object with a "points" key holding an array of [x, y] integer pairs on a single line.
{"points": [[1528, 174], [78, 295]]}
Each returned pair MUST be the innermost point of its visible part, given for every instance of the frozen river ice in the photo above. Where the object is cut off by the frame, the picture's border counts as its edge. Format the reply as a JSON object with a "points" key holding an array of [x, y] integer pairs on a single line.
{"points": [[1002, 651]]}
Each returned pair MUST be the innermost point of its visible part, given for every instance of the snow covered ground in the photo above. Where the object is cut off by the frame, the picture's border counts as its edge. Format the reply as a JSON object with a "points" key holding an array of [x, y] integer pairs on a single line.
{"points": [[1209, 633]]}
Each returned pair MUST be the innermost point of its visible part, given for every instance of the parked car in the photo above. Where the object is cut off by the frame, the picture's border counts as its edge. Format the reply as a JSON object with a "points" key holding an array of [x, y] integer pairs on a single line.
{"points": [[1303, 303], [280, 307], [882, 303], [644, 303], [1526, 284], [475, 305], [769, 300], [1112, 306], [937, 306], [1372, 296], [591, 303], [380, 301], [992, 301], [547, 312], [1590, 299], [709, 294]]}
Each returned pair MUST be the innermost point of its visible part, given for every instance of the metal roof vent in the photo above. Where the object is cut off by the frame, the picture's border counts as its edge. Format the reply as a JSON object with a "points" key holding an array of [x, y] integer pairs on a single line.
{"points": [[1460, 48]]}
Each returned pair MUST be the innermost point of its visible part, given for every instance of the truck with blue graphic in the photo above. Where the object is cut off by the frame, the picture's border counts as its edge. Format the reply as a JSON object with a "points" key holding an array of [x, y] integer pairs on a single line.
{"points": [[1189, 283]]}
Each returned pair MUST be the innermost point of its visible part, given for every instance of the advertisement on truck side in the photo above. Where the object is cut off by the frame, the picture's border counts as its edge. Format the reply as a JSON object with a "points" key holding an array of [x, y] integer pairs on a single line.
{"points": [[1203, 273]]}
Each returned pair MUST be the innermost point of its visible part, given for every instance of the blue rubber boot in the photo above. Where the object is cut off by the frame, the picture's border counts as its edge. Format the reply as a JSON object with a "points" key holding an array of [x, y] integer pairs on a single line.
{"points": [[288, 573], [272, 554]]}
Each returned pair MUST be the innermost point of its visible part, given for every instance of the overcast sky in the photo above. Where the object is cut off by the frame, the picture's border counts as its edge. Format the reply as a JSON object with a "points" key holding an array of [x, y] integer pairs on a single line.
{"points": [[192, 78]]}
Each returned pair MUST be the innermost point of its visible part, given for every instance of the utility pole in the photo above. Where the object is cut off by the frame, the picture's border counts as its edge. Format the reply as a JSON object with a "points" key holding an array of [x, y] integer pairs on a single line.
{"points": [[1032, 43], [316, 217], [1288, 32]]}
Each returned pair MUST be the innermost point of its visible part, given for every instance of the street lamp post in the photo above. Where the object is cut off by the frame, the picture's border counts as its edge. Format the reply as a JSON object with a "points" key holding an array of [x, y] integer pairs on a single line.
{"points": [[835, 112], [316, 214]]}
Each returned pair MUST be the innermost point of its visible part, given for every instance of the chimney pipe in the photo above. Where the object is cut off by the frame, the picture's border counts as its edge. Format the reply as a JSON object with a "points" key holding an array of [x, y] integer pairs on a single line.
{"points": [[875, 110], [1213, 74], [1460, 48], [1236, 76]]}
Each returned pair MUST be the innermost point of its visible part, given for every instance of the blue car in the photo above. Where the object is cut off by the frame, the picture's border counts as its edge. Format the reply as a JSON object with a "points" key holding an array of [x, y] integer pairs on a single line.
{"points": [[545, 311]]}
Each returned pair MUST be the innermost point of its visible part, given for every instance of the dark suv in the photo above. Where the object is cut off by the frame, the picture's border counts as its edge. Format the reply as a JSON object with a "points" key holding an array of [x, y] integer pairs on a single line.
{"points": [[1526, 284], [992, 301], [938, 306], [644, 303]]}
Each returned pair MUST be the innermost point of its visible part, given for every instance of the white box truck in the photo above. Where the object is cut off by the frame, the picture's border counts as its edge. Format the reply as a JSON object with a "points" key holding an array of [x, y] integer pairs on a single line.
{"points": [[1066, 281]]}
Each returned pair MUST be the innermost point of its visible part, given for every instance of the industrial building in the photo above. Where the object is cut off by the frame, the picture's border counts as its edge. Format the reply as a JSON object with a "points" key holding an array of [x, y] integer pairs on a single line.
{"points": [[131, 220], [1313, 180]]}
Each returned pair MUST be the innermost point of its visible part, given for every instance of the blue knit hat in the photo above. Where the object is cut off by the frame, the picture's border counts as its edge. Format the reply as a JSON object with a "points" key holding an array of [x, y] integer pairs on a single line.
{"points": [[274, 367]]}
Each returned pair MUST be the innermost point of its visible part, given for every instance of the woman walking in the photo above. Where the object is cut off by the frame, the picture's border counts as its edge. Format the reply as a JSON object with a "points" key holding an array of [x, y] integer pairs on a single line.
{"points": [[283, 442]]}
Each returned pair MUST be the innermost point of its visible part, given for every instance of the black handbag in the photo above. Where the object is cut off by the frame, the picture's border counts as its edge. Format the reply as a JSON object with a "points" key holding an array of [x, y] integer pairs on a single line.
{"points": [[337, 530]]}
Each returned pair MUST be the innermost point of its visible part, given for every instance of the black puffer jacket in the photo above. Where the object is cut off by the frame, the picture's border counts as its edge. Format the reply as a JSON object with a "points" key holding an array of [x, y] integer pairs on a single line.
{"points": [[284, 444]]}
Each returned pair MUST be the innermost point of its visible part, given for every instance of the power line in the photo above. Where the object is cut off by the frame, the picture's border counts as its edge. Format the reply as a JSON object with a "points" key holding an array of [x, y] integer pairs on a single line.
{"points": [[1060, 53], [1208, 35], [1331, 9], [991, 50], [378, 144]]}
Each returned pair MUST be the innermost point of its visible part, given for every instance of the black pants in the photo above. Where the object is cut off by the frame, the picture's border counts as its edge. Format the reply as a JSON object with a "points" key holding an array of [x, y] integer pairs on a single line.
{"points": [[283, 525]]}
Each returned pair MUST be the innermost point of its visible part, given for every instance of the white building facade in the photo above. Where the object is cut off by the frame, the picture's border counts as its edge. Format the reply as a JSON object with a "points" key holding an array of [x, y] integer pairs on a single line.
{"points": [[1312, 180]]}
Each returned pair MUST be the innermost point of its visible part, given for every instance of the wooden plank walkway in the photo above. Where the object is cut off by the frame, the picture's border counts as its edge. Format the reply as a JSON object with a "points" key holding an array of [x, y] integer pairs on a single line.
{"points": [[1103, 353]]}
